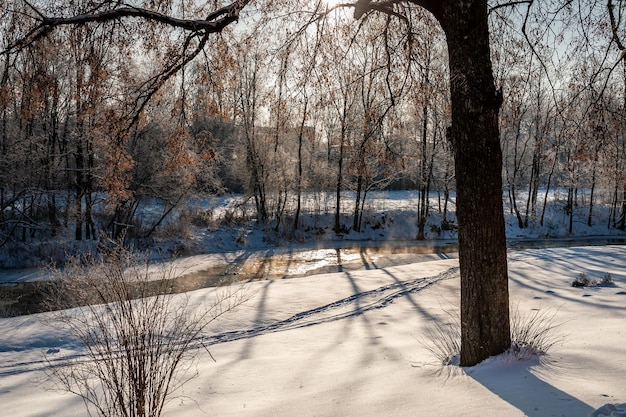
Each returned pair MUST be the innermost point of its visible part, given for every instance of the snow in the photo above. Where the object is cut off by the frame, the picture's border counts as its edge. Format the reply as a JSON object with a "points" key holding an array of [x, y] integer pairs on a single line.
{"points": [[348, 340], [349, 344], [610, 410]]}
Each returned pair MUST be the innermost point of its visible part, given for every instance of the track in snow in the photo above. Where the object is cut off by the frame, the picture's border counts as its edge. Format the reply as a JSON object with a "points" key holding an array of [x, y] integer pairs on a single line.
{"points": [[337, 310]]}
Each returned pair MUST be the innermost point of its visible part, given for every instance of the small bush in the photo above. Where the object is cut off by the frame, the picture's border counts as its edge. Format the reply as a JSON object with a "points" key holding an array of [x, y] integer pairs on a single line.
{"points": [[236, 216], [179, 228], [447, 225], [203, 218], [242, 236], [5, 309], [607, 280], [582, 280]]}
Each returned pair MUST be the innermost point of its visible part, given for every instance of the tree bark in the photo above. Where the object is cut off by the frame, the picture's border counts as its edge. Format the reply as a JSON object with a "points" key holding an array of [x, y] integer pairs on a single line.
{"points": [[485, 326]]}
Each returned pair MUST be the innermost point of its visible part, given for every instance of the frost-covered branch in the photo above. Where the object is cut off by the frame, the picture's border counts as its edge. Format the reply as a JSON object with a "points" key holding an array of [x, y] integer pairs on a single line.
{"points": [[215, 22]]}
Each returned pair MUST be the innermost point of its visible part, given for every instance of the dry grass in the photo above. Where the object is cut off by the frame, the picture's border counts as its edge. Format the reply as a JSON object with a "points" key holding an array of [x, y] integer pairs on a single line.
{"points": [[532, 334], [443, 338]]}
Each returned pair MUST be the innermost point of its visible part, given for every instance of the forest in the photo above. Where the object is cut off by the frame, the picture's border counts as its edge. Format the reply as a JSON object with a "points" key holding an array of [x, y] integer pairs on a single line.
{"points": [[96, 120]]}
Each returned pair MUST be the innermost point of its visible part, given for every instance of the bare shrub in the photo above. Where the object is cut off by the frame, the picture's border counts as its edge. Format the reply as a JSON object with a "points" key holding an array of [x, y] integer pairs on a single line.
{"points": [[140, 341], [582, 280], [178, 226], [204, 218], [188, 217], [607, 280], [5, 309], [236, 215]]}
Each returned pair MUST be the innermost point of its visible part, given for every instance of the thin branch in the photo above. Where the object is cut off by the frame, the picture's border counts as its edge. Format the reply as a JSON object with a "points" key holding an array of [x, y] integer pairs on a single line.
{"points": [[536, 54], [509, 4], [153, 85], [34, 9], [433, 6]]}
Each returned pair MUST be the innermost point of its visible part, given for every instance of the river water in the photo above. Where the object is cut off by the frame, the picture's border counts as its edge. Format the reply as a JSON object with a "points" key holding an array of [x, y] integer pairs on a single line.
{"points": [[25, 296]]}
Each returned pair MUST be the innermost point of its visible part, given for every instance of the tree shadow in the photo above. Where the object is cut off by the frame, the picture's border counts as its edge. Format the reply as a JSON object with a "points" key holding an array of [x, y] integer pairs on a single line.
{"points": [[261, 311], [515, 382]]}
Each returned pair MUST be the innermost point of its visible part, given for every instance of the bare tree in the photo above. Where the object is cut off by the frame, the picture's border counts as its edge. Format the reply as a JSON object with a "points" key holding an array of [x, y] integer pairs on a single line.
{"points": [[429, 107]]}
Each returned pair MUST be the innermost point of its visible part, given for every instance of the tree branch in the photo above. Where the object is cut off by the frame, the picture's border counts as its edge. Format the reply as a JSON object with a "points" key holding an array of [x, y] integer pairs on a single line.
{"points": [[362, 7], [614, 25], [215, 21], [198, 33], [152, 86], [34, 9], [508, 4], [433, 6], [387, 8]]}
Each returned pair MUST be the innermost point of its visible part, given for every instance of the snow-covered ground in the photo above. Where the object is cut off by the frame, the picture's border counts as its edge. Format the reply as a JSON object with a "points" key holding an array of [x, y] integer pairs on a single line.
{"points": [[352, 344], [390, 216]]}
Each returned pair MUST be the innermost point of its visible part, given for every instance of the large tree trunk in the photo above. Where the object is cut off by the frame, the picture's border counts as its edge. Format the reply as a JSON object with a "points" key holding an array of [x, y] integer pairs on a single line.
{"points": [[485, 328]]}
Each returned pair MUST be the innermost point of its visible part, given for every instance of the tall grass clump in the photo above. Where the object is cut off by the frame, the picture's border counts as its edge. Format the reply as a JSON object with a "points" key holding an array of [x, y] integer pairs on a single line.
{"points": [[532, 334]]}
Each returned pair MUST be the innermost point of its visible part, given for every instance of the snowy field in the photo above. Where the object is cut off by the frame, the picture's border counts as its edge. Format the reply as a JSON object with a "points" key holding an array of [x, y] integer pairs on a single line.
{"points": [[352, 344]]}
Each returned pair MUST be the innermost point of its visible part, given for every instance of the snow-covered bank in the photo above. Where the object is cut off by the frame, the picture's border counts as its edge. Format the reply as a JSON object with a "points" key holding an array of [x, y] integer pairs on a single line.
{"points": [[225, 225], [348, 344]]}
